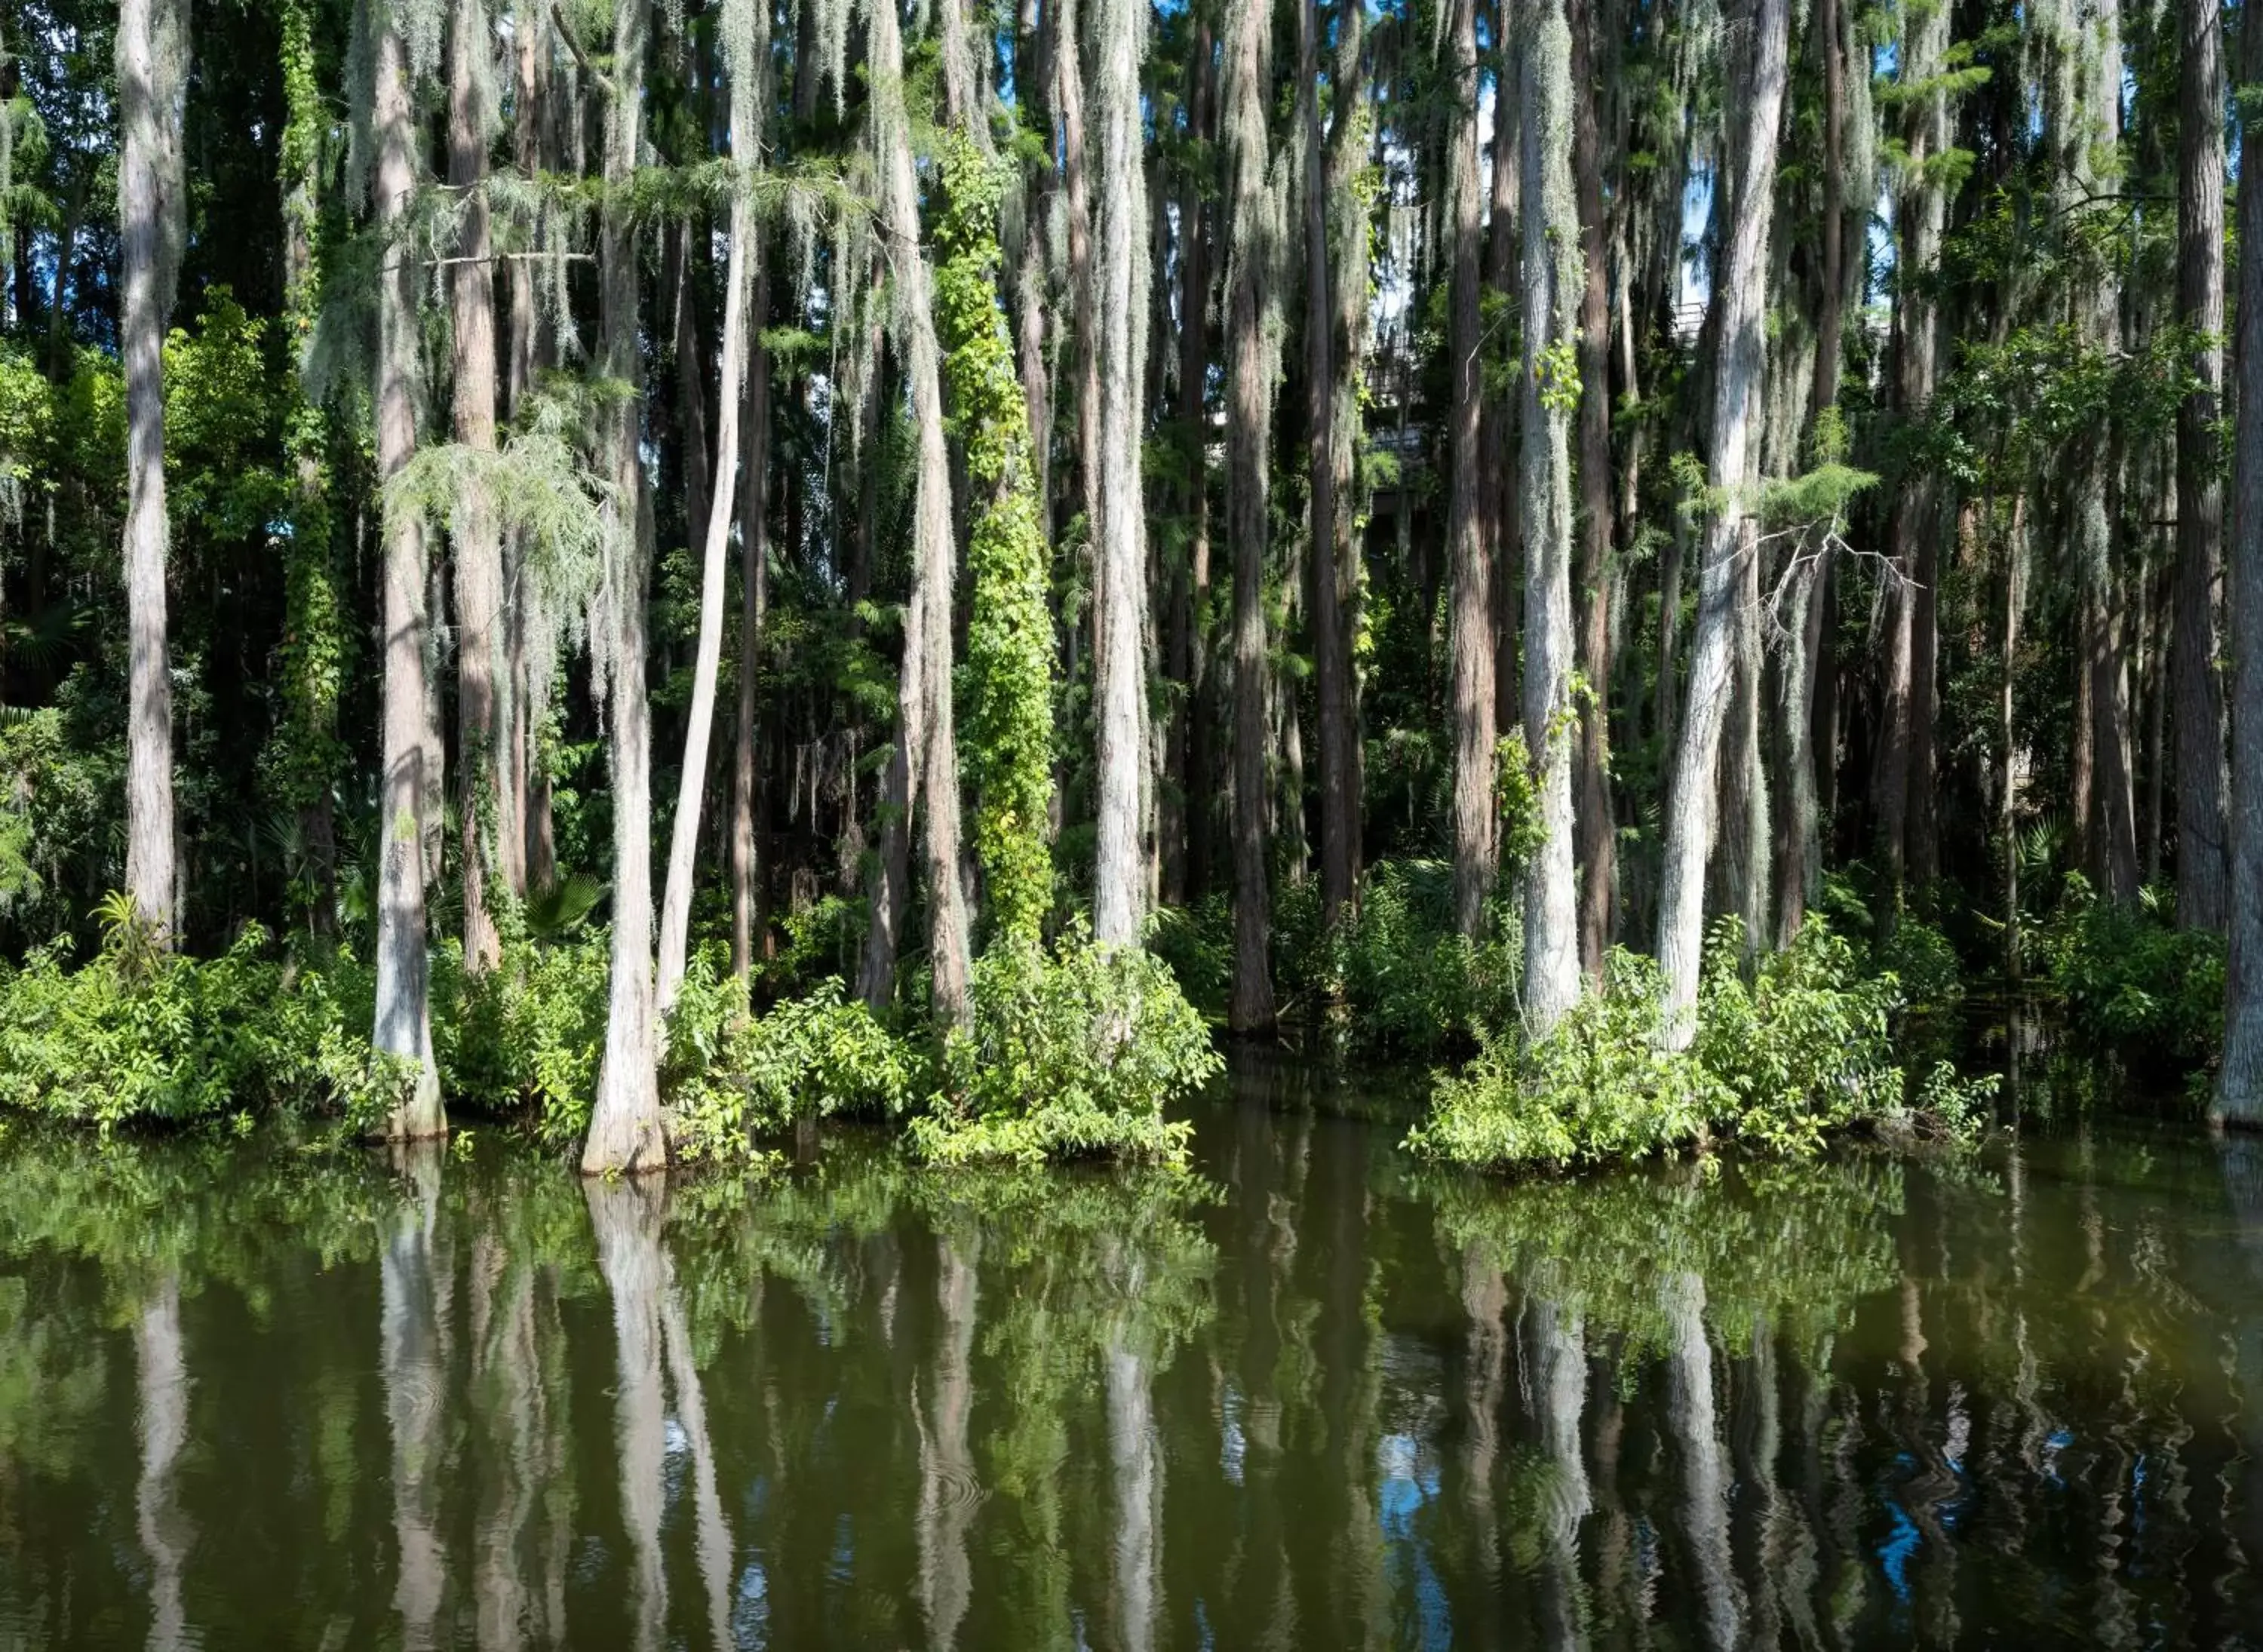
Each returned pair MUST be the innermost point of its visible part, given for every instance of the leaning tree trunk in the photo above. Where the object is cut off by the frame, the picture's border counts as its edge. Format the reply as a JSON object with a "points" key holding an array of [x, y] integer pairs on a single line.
{"points": [[1120, 540], [625, 1132], [1690, 799], [927, 744], [478, 545], [404, 1017], [1331, 647], [1249, 412], [152, 63], [747, 42], [1555, 281], [2239, 1081], [2200, 486], [1472, 627]]}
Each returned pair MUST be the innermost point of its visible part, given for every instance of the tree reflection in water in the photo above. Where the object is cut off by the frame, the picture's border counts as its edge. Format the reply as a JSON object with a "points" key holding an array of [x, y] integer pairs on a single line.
{"points": [[1303, 1397]]}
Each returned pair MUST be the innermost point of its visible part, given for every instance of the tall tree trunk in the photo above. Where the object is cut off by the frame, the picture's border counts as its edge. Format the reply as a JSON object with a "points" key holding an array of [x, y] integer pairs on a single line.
{"points": [[1189, 642], [1728, 533], [404, 1019], [1331, 647], [1354, 327], [1120, 540], [1598, 841], [1067, 63], [1248, 75], [747, 868], [1498, 438], [1557, 282], [2201, 872], [478, 545], [1472, 627], [926, 742], [1916, 523], [516, 826], [746, 46], [626, 1130], [2239, 1081], [1799, 843], [152, 65]]}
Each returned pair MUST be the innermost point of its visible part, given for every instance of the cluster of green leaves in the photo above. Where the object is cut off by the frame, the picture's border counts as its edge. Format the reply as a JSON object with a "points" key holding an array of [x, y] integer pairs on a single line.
{"points": [[1788, 1051], [733, 1078], [1007, 676], [1395, 972], [1072, 1054], [138, 1035], [2131, 980]]}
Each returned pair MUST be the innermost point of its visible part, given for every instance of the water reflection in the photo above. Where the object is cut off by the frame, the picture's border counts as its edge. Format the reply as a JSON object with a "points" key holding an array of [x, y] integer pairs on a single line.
{"points": [[1303, 1397]]}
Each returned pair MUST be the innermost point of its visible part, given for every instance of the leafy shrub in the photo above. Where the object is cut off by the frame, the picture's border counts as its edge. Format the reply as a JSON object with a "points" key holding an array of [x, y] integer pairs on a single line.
{"points": [[2132, 981], [138, 1035], [1800, 1048], [1072, 1054], [528, 1032], [1413, 986], [1806, 1046], [731, 1078], [1597, 1085]]}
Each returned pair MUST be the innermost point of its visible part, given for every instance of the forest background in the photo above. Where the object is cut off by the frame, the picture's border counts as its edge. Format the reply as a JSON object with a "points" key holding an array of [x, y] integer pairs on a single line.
{"points": [[1650, 543]]}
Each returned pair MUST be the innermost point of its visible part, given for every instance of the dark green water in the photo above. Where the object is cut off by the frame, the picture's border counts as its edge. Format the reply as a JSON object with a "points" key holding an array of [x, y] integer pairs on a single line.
{"points": [[1309, 1399]]}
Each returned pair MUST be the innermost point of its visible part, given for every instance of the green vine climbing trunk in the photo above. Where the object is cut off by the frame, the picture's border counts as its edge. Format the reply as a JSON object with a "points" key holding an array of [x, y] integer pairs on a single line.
{"points": [[304, 754], [1009, 651]]}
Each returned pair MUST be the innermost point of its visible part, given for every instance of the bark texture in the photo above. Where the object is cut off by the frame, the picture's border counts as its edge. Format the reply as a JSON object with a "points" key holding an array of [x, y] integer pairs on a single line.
{"points": [[1728, 530], [2202, 890], [1249, 412], [1120, 546], [152, 65], [1331, 647], [482, 805], [746, 38], [404, 1019], [2240, 1082], [1555, 282], [1471, 625], [927, 744], [626, 1130], [1598, 833]]}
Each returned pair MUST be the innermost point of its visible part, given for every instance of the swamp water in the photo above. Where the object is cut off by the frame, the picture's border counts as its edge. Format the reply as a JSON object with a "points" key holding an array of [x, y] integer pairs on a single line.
{"points": [[1311, 1396]]}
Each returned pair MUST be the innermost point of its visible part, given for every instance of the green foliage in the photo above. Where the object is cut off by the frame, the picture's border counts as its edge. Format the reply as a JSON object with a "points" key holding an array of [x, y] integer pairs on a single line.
{"points": [[731, 1078], [1072, 1054], [2132, 981], [1412, 985], [1797, 1050], [1007, 676], [140, 1036], [1806, 1046], [1596, 1086]]}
